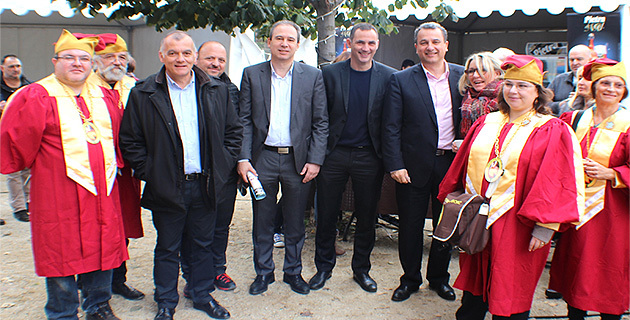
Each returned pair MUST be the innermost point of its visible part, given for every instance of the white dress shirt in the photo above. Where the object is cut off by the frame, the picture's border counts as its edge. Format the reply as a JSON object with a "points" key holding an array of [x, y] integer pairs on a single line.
{"points": [[184, 101], [279, 134]]}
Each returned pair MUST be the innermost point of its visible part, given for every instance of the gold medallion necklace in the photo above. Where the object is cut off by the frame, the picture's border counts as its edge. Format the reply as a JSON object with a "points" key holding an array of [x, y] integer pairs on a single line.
{"points": [[494, 169], [92, 134]]}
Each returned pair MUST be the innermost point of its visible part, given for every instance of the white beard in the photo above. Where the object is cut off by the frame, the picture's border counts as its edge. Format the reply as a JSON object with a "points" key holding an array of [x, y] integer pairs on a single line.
{"points": [[112, 73]]}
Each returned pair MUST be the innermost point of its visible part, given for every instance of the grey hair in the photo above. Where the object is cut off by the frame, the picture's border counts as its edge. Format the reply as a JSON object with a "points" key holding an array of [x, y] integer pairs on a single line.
{"points": [[430, 25], [286, 22], [177, 35]]}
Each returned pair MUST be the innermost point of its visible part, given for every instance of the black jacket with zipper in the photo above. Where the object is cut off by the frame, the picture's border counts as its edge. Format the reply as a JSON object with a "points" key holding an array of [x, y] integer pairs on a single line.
{"points": [[151, 142]]}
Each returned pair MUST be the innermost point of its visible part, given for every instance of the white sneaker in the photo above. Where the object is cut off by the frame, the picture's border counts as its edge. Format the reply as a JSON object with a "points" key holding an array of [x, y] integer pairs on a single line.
{"points": [[278, 240]]}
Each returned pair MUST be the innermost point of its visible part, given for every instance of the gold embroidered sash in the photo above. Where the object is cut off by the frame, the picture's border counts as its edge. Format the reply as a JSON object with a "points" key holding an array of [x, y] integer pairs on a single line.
{"points": [[73, 139], [603, 143], [501, 192]]}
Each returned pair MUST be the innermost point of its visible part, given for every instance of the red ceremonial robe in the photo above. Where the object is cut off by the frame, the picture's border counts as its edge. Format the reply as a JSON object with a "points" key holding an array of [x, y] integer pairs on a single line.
{"points": [[590, 266], [73, 231], [128, 186], [505, 273]]}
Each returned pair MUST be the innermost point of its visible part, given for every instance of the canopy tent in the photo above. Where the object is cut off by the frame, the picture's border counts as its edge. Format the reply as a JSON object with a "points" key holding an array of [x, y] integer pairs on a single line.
{"points": [[483, 25], [488, 24], [27, 24], [484, 8]]}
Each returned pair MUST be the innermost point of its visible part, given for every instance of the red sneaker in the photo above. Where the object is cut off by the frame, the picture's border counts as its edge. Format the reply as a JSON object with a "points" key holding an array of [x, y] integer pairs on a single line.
{"points": [[224, 282]]}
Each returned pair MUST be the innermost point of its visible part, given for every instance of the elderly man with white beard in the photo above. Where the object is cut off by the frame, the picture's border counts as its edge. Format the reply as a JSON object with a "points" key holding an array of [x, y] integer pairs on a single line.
{"points": [[110, 71]]}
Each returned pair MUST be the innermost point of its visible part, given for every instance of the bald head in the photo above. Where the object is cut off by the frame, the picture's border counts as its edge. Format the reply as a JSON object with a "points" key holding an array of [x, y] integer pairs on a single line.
{"points": [[579, 55], [212, 58]]}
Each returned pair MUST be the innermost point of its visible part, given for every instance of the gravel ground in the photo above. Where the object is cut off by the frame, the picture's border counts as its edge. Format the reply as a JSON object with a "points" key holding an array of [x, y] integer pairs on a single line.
{"points": [[23, 294]]}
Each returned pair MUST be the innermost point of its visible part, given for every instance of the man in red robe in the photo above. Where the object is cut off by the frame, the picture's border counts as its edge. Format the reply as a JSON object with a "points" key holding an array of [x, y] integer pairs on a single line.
{"points": [[111, 73], [65, 130]]}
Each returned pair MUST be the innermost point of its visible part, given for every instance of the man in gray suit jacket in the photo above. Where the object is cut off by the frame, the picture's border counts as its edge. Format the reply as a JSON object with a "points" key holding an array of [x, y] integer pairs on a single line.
{"points": [[283, 110], [355, 90]]}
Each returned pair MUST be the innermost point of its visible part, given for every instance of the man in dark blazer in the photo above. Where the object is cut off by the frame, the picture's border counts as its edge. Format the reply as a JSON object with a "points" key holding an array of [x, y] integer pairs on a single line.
{"points": [[181, 135], [283, 111], [421, 118], [355, 90]]}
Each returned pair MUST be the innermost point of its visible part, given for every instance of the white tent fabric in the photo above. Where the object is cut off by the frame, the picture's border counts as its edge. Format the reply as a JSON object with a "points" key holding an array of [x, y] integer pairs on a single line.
{"points": [[484, 8], [245, 52], [45, 7]]}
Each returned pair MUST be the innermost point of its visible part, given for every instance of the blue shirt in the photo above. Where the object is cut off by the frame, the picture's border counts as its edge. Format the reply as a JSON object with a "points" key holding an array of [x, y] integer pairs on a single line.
{"points": [[184, 102]]}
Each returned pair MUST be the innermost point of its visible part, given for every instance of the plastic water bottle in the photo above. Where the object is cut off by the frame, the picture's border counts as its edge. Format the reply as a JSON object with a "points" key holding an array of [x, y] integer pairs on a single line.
{"points": [[255, 186]]}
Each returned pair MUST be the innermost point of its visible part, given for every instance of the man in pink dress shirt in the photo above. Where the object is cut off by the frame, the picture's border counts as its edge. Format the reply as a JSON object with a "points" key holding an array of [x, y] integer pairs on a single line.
{"points": [[417, 153]]}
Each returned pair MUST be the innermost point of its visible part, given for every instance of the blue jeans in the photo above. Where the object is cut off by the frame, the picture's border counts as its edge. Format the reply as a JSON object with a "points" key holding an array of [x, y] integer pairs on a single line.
{"points": [[63, 296]]}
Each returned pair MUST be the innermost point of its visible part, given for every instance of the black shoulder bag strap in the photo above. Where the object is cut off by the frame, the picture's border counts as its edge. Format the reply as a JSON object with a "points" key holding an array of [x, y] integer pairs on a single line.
{"points": [[574, 124]]}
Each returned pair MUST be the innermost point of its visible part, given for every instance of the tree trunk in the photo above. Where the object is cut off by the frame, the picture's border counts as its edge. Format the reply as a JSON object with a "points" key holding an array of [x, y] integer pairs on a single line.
{"points": [[325, 36]]}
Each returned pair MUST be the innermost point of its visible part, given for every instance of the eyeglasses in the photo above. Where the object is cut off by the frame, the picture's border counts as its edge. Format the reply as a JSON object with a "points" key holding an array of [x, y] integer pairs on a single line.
{"points": [[520, 86], [71, 58], [471, 71], [610, 84]]}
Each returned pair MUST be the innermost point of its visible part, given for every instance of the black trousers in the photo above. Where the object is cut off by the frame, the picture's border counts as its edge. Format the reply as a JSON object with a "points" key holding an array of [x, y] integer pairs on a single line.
{"points": [[365, 169], [225, 212], [197, 222], [275, 171], [474, 308], [413, 203]]}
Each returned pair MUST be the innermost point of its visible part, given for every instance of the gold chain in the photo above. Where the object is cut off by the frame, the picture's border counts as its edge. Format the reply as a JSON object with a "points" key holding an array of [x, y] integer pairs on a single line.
{"points": [[499, 151], [76, 105]]}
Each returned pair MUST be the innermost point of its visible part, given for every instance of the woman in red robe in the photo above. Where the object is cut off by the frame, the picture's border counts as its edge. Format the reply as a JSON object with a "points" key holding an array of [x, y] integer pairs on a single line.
{"points": [[590, 266], [527, 165]]}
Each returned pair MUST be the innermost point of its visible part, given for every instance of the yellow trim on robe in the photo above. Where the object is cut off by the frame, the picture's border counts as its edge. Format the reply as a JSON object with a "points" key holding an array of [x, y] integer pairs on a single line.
{"points": [[123, 86], [603, 143], [73, 140], [617, 183], [501, 193]]}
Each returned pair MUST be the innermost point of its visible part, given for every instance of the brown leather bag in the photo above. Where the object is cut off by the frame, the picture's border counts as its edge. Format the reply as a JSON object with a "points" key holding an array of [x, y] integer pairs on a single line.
{"points": [[461, 223]]}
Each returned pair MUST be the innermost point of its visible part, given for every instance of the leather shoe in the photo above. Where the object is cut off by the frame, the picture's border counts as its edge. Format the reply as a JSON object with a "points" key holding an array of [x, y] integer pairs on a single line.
{"points": [[261, 283], [319, 279], [403, 292], [297, 283], [213, 309], [553, 294], [164, 314], [22, 215], [103, 312], [127, 292], [444, 291], [365, 281]]}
